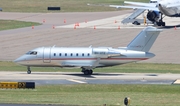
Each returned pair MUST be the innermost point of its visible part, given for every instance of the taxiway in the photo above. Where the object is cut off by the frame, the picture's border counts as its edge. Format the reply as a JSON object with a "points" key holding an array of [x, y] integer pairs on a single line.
{"points": [[43, 78], [16, 42], [96, 29]]}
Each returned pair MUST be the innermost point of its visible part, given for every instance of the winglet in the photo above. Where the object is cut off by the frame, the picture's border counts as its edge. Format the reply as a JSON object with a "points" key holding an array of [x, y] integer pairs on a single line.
{"points": [[144, 40]]}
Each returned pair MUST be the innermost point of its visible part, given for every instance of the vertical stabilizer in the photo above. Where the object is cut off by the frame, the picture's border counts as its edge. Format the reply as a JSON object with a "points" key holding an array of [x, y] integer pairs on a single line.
{"points": [[144, 40]]}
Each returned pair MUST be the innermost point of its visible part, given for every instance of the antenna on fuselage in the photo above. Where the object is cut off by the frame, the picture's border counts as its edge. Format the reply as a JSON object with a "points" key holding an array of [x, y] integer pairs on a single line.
{"points": [[54, 46]]}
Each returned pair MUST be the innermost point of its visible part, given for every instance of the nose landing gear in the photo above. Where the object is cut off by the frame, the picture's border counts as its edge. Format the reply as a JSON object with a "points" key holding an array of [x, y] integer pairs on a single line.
{"points": [[29, 70]]}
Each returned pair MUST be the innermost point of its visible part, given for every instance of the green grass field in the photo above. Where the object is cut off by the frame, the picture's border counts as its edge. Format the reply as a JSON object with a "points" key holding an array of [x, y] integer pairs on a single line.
{"points": [[12, 24], [66, 5], [126, 68], [92, 94]]}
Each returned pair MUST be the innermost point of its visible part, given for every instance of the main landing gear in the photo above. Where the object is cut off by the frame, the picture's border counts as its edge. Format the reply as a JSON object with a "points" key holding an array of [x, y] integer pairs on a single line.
{"points": [[161, 23], [29, 70], [87, 71]]}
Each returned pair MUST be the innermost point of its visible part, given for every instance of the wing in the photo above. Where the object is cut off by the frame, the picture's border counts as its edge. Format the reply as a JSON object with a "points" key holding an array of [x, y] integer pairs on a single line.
{"points": [[135, 7], [173, 5], [141, 4], [85, 64], [76, 64]]}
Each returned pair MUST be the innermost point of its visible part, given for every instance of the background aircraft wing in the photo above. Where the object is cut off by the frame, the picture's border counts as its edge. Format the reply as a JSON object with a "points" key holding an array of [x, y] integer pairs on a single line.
{"points": [[135, 7], [141, 4], [173, 5]]}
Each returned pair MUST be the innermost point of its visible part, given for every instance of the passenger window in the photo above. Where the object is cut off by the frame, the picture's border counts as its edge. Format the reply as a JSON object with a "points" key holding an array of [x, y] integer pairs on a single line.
{"points": [[65, 54], [76, 54], [54, 54], [88, 54], [83, 54], [71, 54], [59, 54]]}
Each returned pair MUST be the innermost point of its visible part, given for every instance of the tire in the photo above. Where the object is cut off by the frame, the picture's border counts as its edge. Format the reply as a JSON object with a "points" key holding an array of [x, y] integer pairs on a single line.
{"points": [[86, 72], [90, 72], [28, 72], [163, 24], [158, 23]]}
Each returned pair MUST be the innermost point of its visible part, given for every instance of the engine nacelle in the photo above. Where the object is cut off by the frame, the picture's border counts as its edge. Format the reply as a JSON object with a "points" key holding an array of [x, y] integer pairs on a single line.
{"points": [[105, 52], [153, 16]]}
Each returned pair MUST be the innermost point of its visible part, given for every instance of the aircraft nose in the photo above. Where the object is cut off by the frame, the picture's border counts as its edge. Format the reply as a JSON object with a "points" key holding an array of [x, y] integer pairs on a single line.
{"points": [[19, 60], [162, 4]]}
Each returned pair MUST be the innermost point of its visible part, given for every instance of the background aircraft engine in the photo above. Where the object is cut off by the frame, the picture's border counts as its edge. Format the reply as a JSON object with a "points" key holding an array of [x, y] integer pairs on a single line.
{"points": [[153, 16], [105, 52]]}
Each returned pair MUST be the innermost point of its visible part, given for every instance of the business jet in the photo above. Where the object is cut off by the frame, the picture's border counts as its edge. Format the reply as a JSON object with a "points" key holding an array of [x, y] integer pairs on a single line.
{"points": [[170, 8], [88, 58]]}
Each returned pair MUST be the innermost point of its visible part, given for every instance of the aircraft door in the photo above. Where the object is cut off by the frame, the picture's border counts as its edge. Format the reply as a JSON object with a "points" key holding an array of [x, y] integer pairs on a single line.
{"points": [[47, 55]]}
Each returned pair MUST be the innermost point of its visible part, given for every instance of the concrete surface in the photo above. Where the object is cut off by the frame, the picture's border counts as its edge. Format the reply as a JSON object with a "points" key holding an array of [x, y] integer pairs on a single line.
{"points": [[15, 43]]}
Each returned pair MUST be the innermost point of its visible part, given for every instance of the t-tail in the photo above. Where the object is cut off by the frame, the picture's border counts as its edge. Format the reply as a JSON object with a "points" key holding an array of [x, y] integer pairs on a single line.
{"points": [[144, 40]]}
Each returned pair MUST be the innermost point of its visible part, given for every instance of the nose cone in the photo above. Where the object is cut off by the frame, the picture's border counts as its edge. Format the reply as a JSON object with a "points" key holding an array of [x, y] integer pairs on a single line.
{"points": [[20, 60], [162, 4]]}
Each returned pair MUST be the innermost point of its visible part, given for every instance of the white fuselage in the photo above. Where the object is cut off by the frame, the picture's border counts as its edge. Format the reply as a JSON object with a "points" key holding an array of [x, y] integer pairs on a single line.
{"points": [[170, 7], [74, 57]]}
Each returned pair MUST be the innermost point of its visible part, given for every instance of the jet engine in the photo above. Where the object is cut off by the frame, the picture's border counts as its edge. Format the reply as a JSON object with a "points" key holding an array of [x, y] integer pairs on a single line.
{"points": [[153, 16], [105, 52]]}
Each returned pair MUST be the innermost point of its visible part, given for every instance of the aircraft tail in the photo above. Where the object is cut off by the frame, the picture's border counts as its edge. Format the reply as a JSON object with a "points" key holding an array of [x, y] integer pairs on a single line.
{"points": [[144, 40]]}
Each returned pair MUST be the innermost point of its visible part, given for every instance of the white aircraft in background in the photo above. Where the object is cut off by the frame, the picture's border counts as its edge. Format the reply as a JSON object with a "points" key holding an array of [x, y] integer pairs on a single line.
{"points": [[88, 58], [169, 8]]}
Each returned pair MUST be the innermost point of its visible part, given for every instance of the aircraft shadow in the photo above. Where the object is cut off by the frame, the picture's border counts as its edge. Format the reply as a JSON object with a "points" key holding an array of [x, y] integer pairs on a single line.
{"points": [[79, 74], [151, 75], [170, 27], [92, 76]]}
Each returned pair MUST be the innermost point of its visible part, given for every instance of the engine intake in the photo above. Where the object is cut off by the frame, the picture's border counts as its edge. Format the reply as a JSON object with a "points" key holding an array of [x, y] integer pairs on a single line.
{"points": [[153, 16]]}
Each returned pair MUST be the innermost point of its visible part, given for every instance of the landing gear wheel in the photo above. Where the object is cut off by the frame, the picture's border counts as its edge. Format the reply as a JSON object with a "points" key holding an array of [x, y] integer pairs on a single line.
{"points": [[90, 72], [163, 24], [29, 70], [87, 72], [158, 23]]}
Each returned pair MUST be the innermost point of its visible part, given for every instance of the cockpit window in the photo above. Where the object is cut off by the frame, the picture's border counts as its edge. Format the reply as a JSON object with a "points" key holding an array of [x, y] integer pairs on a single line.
{"points": [[32, 53], [153, 1]]}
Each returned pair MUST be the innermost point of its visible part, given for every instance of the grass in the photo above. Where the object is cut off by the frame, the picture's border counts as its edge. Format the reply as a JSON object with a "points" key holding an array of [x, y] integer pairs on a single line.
{"points": [[126, 68], [92, 94], [66, 5], [12, 24]]}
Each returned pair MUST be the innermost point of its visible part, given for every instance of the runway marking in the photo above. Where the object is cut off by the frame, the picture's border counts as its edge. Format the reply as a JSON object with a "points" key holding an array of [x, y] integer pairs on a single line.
{"points": [[76, 81], [177, 81]]}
